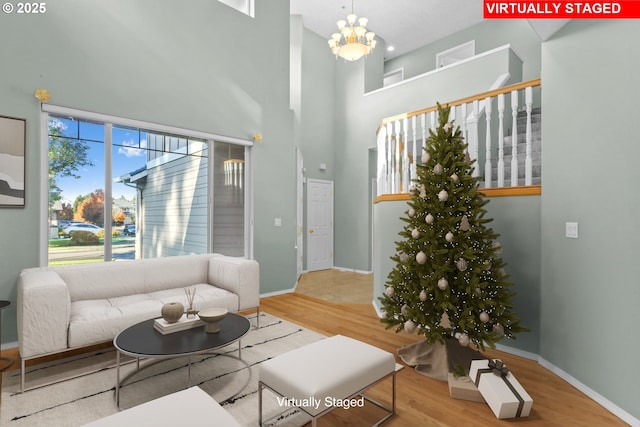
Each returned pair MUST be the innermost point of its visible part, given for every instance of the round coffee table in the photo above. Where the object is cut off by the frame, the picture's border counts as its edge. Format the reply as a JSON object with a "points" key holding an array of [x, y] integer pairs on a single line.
{"points": [[143, 341]]}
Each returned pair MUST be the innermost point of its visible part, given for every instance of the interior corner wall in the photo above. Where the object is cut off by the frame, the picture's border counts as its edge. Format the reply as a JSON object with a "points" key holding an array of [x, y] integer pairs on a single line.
{"points": [[317, 137], [590, 291], [163, 62]]}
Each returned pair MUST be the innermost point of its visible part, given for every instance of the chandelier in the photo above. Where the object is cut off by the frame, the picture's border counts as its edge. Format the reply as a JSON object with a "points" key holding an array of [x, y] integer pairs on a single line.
{"points": [[352, 42]]}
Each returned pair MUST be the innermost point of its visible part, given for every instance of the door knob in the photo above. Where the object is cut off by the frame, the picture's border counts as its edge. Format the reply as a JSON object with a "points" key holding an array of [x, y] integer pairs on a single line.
{"points": [[310, 231]]}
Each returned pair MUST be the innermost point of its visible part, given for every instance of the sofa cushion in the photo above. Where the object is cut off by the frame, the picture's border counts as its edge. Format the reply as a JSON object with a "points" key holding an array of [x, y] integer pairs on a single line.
{"points": [[100, 320], [206, 296], [95, 321], [102, 280], [175, 272], [113, 279]]}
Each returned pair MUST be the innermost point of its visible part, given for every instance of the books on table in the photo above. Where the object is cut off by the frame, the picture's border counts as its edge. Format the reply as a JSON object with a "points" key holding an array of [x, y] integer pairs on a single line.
{"points": [[182, 324]]}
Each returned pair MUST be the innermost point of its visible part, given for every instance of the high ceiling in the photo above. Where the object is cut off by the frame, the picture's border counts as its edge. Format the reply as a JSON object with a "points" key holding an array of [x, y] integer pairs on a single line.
{"points": [[403, 24]]}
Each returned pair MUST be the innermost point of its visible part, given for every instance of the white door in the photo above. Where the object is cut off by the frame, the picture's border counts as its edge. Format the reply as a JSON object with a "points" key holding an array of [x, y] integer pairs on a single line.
{"points": [[319, 224]]}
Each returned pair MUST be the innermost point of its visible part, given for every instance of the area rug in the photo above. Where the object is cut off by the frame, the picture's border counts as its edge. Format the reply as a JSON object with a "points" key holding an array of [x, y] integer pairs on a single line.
{"points": [[89, 397]]}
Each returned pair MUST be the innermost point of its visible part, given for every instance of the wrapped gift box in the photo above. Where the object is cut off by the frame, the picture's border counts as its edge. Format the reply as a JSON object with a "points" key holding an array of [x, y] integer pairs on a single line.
{"points": [[463, 388], [500, 389]]}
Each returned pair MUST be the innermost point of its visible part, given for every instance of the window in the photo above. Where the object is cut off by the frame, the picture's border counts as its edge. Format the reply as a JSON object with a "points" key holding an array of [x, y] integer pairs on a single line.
{"points": [[122, 189]]}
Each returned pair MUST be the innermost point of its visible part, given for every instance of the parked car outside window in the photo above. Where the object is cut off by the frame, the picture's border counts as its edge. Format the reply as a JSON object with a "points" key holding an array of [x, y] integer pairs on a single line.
{"points": [[129, 230], [81, 227]]}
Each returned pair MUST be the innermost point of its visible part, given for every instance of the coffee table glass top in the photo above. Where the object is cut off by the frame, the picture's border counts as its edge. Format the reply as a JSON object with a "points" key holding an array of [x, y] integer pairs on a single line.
{"points": [[142, 340]]}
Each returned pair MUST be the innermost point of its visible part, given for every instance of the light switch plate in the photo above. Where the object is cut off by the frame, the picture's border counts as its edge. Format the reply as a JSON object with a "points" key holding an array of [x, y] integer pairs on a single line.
{"points": [[571, 230]]}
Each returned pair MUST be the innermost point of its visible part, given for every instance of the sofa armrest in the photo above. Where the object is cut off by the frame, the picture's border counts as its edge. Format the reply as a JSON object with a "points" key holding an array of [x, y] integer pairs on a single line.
{"points": [[238, 275], [44, 310]]}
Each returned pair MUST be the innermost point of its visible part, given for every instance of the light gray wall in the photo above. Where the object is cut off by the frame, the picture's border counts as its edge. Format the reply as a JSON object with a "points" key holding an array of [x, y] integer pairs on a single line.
{"points": [[487, 35], [517, 220], [590, 291], [202, 67]]}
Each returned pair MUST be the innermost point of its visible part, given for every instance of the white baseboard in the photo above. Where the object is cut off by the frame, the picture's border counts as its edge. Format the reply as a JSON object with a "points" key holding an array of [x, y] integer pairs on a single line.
{"points": [[595, 396], [517, 352], [377, 308], [351, 270], [272, 294], [8, 345]]}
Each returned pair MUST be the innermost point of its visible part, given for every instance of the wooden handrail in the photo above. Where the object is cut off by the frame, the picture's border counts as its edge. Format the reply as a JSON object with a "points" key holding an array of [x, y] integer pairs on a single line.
{"points": [[522, 190], [468, 99]]}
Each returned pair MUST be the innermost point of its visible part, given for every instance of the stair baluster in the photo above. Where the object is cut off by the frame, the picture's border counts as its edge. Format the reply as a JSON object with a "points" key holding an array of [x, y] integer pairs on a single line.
{"points": [[414, 172], [514, 138], [405, 156], [501, 140], [396, 158], [487, 139], [528, 162], [472, 134], [390, 173]]}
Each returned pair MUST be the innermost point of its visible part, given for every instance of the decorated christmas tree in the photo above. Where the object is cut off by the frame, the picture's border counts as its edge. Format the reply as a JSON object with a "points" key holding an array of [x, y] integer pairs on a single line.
{"points": [[449, 281]]}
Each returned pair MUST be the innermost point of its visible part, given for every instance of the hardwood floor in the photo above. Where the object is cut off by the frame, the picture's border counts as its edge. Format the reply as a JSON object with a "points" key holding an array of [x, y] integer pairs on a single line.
{"points": [[422, 401], [344, 287]]}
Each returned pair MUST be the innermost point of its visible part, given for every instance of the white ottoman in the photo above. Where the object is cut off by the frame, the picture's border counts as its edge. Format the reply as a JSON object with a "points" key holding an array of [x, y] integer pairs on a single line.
{"points": [[327, 374], [188, 407]]}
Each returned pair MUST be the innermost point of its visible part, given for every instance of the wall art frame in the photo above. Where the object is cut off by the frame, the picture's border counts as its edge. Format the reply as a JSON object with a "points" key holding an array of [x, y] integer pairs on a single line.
{"points": [[13, 140]]}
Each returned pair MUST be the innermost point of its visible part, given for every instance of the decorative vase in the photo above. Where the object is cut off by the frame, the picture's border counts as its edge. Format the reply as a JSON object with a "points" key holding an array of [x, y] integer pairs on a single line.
{"points": [[172, 311]]}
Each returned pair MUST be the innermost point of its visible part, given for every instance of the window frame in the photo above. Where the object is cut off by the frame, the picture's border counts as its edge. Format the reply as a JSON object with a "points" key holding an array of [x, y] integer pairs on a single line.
{"points": [[109, 121]]}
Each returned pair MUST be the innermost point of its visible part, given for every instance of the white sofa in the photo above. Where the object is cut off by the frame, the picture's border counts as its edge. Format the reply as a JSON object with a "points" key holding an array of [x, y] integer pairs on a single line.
{"points": [[65, 307]]}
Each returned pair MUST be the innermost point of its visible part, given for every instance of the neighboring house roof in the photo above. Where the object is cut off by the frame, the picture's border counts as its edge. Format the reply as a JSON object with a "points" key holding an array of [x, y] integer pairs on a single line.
{"points": [[133, 176], [124, 204]]}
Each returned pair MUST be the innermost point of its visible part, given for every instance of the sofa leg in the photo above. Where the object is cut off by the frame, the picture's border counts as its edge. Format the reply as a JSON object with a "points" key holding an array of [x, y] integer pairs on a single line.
{"points": [[258, 318], [23, 368]]}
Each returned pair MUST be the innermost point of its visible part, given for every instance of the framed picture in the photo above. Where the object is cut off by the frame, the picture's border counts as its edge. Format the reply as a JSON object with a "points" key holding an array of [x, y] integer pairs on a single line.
{"points": [[12, 148]]}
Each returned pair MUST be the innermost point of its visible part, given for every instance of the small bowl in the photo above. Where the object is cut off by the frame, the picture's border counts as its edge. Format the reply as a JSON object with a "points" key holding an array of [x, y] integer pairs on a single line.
{"points": [[211, 317]]}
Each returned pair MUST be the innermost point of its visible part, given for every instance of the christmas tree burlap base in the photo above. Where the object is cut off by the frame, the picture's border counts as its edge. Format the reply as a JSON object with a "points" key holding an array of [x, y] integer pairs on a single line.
{"points": [[436, 360]]}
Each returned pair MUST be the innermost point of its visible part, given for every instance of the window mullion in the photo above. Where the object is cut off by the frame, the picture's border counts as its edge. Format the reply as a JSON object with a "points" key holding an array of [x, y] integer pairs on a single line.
{"points": [[44, 190], [108, 128]]}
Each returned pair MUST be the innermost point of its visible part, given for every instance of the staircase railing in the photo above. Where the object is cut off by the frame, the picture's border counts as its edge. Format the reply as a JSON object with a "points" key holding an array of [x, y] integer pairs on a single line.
{"points": [[506, 149]]}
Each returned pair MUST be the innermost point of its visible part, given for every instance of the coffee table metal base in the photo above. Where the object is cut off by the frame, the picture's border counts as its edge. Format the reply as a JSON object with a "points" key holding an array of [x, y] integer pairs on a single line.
{"points": [[155, 361]]}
